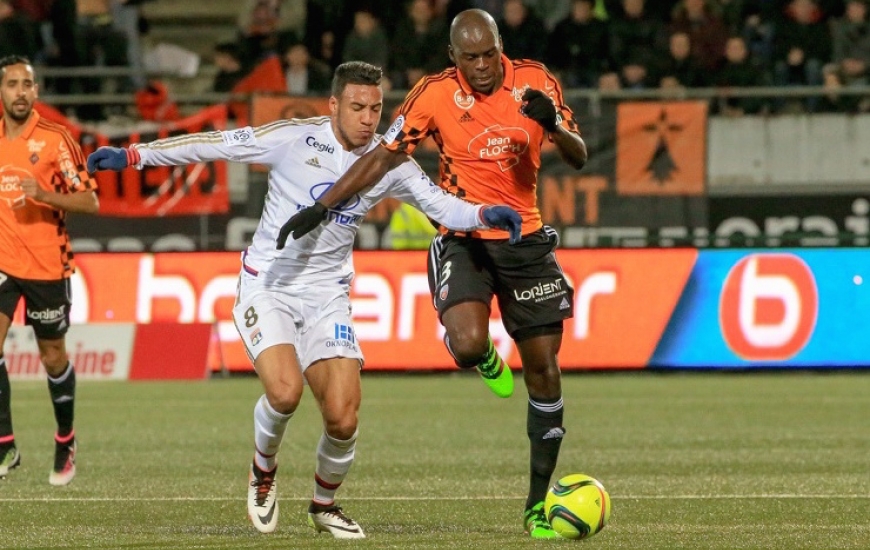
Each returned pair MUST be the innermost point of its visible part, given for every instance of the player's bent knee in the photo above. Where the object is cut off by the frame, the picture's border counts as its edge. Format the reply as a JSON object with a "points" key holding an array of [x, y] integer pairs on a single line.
{"points": [[284, 400], [342, 429], [469, 348]]}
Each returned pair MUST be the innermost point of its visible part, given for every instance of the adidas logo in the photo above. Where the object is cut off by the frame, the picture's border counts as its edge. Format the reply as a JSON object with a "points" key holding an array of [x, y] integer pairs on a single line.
{"points": [[564, 305], [313, 162], [466, 117], [554, 433]]}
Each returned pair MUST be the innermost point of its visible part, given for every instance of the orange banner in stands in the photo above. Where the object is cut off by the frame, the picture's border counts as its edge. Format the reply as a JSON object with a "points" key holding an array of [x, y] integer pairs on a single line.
{"points": [[623, 301], [199, 188], [269, 108], [661, 148]]}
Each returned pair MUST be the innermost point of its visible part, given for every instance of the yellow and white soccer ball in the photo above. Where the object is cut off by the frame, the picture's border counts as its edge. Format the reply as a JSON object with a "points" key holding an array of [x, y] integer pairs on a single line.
{"points": [[577, 506]]}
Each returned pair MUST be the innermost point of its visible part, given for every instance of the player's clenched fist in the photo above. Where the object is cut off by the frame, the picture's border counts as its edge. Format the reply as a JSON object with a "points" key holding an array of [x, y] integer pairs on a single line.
{"points": [[539, 107], [112, 158]]}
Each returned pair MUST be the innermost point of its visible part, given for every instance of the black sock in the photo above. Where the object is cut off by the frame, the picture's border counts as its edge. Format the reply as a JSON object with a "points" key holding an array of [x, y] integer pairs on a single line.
{"points": [[6, 437], [544, 427], [63, 393]]}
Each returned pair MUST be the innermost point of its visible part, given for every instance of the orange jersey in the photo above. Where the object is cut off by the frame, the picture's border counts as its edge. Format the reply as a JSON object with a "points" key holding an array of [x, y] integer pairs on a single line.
{"points": [[34, 243], [490, 152]]}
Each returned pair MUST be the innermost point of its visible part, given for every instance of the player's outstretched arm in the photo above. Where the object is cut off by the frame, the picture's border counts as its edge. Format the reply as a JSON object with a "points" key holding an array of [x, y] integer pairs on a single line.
{"points": [[368, 170], [112, 158]]}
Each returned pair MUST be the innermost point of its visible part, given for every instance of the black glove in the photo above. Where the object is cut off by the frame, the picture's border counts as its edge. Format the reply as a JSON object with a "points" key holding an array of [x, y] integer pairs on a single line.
{"points": [[539, 107], [302, 222]]}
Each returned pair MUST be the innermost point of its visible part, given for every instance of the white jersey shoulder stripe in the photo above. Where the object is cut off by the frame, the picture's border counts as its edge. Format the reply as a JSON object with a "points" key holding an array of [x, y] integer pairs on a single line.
{"points": [[166, 143], [291, 122]]}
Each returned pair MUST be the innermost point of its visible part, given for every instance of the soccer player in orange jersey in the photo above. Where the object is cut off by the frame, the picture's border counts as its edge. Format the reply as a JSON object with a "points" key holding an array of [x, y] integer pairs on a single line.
{"points": [[489, 116], [42, 177]]}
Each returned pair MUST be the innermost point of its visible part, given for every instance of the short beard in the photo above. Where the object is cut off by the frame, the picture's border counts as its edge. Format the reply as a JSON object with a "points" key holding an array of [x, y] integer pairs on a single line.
{"points": [[16, 117]]}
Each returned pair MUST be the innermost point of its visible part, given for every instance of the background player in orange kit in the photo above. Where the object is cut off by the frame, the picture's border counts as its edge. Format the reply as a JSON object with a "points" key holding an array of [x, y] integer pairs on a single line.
{"points": [[489, 116], [42, 177]]}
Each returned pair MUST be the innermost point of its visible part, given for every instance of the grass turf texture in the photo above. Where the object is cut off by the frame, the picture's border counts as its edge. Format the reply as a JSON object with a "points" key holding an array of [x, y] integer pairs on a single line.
{"points": [[700, 461]]}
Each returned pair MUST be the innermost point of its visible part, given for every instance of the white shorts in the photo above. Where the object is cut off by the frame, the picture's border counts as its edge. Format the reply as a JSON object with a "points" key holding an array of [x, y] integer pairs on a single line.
{"points": [[316, 320]]}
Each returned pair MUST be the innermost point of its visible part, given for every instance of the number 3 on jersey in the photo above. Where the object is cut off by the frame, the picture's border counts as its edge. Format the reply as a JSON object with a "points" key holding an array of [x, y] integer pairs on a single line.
{"points": [[445, 272]]}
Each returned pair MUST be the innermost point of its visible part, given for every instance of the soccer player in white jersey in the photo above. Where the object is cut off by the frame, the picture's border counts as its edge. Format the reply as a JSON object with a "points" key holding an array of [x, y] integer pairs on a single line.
{"points": [[293, 304]]}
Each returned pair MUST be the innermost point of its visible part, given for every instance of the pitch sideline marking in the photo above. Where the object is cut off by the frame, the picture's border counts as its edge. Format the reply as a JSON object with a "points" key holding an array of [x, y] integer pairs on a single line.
{"points": [[769, 496]]}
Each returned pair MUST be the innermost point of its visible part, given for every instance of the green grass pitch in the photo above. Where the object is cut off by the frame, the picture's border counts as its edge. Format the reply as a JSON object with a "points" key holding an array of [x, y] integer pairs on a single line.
{"points": [[695, 461]]}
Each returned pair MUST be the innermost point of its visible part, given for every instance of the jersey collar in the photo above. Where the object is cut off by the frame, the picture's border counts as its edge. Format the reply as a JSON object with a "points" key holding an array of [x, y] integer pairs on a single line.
{"points": [[506, 84], [28, 128]]}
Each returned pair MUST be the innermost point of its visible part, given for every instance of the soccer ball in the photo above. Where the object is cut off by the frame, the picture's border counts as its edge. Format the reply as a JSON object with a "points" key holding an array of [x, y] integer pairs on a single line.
{"points": [[577, 506]]}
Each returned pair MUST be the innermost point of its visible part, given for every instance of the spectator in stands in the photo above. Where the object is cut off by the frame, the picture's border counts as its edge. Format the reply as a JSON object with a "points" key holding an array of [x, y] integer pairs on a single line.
{"points": [[305, 76], [758, 30], [104, 46], [550, 11], [706, 29], [127, 21], [578, 49], [367, 41], [680, 69], [851, 43], [327, 23], [522, 32], [637, 41], [448, 9], [62, 16], [833, 100], [493, 7], [290, 15], [419, 45], [16, 32], [731, 12], [739, 72], [802, 47], [262, 36], [228, 60], [661, 10], [609, 82], [154, 103]]}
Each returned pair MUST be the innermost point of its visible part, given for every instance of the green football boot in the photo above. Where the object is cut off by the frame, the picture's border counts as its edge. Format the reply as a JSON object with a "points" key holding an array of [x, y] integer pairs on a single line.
{"points": [[536, 523]]}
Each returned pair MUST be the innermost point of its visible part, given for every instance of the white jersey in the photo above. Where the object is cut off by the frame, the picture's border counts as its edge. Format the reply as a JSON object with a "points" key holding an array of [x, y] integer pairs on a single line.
{"points": [[305, 158]]}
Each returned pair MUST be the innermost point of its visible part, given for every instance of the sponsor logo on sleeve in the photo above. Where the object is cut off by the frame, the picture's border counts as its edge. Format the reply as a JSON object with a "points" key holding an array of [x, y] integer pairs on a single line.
{"points": [[242, 136], [394, 129]]}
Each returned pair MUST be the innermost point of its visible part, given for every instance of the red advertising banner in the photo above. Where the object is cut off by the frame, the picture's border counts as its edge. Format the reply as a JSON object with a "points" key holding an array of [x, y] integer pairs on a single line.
{"points": [[156, 191], [119, 351], [623, 301]]}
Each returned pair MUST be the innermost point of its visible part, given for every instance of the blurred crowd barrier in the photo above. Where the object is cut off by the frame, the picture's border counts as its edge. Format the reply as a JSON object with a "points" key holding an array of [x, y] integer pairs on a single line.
{"points": [[666, 169]]}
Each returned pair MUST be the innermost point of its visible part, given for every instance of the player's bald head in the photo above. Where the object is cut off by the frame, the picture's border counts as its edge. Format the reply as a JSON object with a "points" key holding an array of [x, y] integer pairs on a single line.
{"points": [[471, 27]]}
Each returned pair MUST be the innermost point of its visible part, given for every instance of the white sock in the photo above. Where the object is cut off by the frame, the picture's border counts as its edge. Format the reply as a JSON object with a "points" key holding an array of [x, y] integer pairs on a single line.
{"points": [[334, 459], [269, 426]]}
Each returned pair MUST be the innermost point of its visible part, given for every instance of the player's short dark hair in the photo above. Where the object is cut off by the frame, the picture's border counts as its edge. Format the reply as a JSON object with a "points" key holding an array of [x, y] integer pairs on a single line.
{"points": [[13, 60], [355, 72]]}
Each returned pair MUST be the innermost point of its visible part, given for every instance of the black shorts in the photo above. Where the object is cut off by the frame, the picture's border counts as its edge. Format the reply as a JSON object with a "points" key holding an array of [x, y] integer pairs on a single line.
{"points": [[525, 278], [46, 304]]}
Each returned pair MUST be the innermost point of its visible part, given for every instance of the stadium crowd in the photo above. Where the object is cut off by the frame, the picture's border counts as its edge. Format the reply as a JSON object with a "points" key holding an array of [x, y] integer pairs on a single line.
{"points": [[604, 44]]}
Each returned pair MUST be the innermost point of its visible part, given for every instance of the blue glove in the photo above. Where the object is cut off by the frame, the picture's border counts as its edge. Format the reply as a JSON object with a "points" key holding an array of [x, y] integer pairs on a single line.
{"points": [[504, 217], [109, 158]]}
